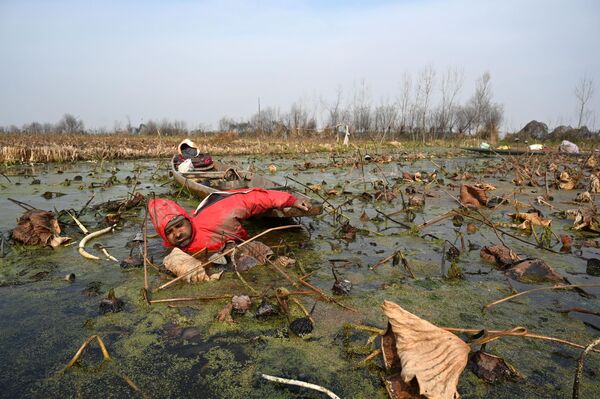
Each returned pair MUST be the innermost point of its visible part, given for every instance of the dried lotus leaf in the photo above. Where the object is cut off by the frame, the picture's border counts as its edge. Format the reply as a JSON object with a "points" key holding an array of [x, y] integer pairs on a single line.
{"points": [[594, 184], [566, 182], [472, 196], [180, 263], [499, 255], [241, 303], [531, 217], [255, 249], [435, 357]]}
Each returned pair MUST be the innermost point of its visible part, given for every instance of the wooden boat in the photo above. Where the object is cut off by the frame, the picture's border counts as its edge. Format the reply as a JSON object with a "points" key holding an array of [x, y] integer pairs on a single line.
{"points": [[222, 177], [492, 151]]}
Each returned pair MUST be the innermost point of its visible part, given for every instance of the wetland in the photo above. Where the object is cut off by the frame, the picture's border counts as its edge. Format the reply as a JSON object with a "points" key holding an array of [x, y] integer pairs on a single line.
{"points": [[390, 227]]}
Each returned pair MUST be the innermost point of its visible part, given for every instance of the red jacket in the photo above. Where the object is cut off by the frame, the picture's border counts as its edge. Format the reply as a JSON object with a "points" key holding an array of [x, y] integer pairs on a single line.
{"points": [[217, 218]]}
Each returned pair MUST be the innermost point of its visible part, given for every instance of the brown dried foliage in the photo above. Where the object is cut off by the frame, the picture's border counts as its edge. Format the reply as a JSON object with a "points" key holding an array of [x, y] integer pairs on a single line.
{"points": [[36, 227]]}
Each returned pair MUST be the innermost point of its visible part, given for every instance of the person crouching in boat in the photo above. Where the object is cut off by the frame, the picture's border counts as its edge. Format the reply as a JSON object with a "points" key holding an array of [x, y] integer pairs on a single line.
{"points": [[216, 220]]}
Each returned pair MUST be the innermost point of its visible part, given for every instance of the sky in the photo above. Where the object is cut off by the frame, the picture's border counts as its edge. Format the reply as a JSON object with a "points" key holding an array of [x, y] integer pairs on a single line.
{"points": [[110, 62]]}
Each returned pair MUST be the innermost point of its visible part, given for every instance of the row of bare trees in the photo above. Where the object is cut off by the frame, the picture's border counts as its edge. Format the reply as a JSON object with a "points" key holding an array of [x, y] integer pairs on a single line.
{"points": [[425, 108]]}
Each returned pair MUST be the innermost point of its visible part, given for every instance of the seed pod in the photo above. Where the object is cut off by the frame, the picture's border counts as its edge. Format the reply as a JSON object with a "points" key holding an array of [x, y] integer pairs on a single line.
{"points": [[111, 303]]}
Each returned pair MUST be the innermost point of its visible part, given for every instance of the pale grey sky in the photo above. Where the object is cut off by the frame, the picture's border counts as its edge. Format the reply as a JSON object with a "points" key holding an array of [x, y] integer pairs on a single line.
{"points": [[197, 61]]}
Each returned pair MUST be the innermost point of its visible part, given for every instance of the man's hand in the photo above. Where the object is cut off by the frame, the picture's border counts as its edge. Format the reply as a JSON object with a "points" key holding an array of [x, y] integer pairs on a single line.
{"points": [[304, 205]]}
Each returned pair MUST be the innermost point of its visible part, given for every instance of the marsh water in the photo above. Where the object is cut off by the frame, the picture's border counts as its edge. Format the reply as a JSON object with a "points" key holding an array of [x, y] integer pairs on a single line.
{"points": [[178, 349]]}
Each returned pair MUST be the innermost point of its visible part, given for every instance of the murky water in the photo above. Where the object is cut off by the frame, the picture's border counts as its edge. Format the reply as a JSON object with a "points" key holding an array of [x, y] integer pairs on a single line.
{"points": [[181, 351]]}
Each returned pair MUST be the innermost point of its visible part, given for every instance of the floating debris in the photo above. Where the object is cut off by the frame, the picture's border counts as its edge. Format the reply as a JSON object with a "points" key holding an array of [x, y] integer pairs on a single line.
{"points": [[266, 310], [341, 286]]}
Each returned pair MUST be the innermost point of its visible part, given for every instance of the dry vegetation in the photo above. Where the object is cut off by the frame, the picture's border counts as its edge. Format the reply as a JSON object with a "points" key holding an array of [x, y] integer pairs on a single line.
{"points": [[28, 148]]}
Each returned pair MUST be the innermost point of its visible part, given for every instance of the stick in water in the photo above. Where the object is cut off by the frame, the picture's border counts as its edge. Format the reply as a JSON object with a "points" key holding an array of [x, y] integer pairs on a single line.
{"points": [[300, 384]]}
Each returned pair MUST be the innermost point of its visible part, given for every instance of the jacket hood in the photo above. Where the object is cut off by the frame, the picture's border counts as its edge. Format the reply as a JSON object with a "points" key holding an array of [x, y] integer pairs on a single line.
{"points": [[187, 143], [162, 211]]}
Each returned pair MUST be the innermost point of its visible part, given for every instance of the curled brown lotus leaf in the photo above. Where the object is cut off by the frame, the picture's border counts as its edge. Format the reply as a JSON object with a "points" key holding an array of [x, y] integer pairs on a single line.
{"points": [[241, 303], [284, 261], [485, 186], [566, 182], [591, 162], [38, 227], [530, 218], [434, 357], [534, 271], [472, 196], [567, 243], [492, 368], [224, 314], [584, 197], [595, 184], [416, 200], [181, 263], [586, 219], [407, 176], [256, 250], [499, 255]]}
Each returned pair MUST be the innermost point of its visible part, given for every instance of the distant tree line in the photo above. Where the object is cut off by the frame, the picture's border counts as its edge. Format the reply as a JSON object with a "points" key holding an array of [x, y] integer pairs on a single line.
{"points": [[427, 106]]}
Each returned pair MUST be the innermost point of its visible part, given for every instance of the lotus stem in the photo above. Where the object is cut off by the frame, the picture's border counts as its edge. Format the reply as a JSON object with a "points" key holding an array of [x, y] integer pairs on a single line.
{"points": [[88, 237], [300, 384], [84, 346], [556, 287]]}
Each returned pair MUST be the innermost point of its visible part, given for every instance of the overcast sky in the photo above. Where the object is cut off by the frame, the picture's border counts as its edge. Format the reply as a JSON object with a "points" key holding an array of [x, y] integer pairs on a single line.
{"points": [[197, 61]]}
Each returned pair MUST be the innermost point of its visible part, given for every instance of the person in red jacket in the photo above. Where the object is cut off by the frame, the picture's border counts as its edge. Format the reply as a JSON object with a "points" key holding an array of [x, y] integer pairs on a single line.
{"points": [[217, 218]]}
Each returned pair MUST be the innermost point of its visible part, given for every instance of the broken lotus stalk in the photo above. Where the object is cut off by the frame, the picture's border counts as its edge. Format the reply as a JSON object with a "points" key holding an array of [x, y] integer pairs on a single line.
{"points": [[300, 384], [85, 239]]}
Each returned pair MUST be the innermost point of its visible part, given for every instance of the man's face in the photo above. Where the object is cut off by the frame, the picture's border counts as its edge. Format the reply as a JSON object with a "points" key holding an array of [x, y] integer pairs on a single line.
{"points": [[179, 234]]}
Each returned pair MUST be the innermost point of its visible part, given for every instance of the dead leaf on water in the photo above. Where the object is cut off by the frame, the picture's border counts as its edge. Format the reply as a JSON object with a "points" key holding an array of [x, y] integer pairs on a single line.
{"points": [[586, 219], [534, 218], [584, 197], [224, 314], [534, 271], [595, 184], [499, 255], [566, 182], [492, 368], [473, 196]]}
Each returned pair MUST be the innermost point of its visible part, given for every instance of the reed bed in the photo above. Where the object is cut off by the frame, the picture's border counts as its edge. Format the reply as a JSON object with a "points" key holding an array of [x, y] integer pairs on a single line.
{"points": [[43, 148]]}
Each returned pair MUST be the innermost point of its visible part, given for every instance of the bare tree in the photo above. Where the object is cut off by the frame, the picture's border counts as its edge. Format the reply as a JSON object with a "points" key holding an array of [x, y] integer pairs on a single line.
{"points": [[385, 118], [425, 82], [450, 87], [404, 101], [70, 124], [334, 109], [480, 115], [583, 91], [361, 108]]}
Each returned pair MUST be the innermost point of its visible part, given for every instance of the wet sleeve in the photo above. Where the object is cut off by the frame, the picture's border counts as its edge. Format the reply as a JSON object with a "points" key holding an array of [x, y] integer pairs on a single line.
{"points": [[260, 201]]}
